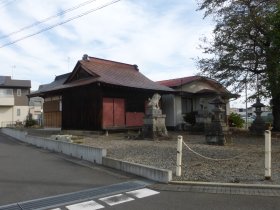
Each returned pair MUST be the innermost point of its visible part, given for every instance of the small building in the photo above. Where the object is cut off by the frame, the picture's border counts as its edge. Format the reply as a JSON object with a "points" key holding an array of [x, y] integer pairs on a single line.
{"points": [[13, 100], [36, 109], [191, 100], [98, 94]]}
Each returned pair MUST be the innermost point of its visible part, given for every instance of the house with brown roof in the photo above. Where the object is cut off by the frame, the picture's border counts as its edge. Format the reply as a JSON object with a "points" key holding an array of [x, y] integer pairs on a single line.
{"points": [[98, 94], [13, 100], [190, 101]]}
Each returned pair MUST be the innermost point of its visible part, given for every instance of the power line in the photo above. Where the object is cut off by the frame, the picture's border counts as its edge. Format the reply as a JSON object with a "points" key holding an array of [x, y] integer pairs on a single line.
{"points": [[60, 23], [48, 18], [4, 4]]}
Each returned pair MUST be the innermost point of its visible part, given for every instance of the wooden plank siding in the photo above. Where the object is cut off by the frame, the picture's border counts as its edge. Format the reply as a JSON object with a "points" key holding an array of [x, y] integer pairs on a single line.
{"points": [[133, 102], [52, 114], [52, 119], [81, 108]]}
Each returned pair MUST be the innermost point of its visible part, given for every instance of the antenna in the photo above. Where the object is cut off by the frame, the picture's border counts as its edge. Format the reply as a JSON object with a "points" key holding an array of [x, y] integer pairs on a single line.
{"points": [[68, 63], [13, 68]]}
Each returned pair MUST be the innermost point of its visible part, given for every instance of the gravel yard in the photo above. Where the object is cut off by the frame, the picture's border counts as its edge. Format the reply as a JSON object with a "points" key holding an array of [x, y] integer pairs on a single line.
{"points": [[247, 167]]}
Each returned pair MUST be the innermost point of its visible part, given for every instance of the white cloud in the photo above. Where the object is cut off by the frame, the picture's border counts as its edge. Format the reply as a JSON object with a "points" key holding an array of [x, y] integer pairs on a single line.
{"points": [[160, 38]]}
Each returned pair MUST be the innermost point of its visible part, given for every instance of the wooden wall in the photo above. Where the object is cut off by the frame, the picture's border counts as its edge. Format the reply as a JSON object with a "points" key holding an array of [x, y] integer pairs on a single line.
{"points": [[52, 119], [52, 113], [81, 108]]}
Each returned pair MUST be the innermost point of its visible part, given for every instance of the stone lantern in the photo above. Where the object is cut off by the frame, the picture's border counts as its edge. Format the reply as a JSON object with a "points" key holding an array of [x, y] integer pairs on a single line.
{"points": [[258, 125], [217, 131]]}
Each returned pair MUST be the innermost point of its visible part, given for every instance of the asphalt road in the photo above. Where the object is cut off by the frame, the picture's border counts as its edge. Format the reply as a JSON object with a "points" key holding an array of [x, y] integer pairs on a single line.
{"points": [[170, 200], [27, 173]]}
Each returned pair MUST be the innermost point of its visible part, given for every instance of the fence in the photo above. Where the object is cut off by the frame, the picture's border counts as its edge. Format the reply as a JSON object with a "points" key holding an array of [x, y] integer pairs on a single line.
{"points": [[267, 160]]}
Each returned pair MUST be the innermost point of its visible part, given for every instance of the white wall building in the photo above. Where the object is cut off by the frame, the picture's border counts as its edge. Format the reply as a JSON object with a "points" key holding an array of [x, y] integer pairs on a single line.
{"points": [[13, 100], [193, 95]]}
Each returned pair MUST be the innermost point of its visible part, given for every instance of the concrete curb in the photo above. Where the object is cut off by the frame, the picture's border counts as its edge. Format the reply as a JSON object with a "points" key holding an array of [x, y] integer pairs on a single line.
{"points": [[91, 154], [218, 184], [152, 173]]}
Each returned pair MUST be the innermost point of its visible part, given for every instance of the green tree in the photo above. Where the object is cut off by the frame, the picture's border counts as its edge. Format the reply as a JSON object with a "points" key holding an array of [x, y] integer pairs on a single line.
{"points": [[235, 120], [245, 47]]}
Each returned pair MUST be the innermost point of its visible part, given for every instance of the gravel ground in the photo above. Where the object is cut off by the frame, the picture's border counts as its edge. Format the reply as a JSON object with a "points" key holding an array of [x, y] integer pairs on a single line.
{"points": [[247, 167]]}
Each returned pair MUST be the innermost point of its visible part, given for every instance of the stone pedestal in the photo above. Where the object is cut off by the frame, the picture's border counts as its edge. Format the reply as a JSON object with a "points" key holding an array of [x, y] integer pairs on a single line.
{"points": [[217, 133], [202, 120], [154, 124]]}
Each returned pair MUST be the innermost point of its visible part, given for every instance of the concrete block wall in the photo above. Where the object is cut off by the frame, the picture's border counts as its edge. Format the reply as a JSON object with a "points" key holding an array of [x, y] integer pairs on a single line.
{"points": [[87, 153]]}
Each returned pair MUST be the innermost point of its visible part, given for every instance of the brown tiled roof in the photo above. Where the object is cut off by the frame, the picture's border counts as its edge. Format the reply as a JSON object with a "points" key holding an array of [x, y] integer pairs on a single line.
{"points": [[103, 71], [174, 83], [179, 81], [121, 74], [8, 82]]}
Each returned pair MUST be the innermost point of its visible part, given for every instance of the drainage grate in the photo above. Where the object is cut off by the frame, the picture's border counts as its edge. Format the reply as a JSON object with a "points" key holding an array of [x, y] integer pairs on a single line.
{"points": [[59, 200], [10, 207]]}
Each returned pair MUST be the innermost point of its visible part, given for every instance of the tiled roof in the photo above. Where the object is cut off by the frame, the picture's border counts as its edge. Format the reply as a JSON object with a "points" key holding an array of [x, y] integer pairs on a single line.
{"points": [[121, 74], [103, 71], [179, 81], [7, 81], [174, 83]]}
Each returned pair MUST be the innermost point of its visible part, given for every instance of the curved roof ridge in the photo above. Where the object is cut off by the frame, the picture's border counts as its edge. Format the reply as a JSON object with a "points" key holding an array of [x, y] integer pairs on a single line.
{"points": [[115, 63]]}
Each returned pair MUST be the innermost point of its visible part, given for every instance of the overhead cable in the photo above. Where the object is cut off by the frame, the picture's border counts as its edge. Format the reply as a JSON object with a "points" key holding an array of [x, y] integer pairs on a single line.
{"points": [[47, 19], [58, 24], [4, 4]]}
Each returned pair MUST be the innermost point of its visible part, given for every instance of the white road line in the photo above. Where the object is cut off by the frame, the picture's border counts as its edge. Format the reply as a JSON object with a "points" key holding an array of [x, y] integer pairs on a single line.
{"points": [[116, 199], [56, 209], [142, 193], [89, 205]]}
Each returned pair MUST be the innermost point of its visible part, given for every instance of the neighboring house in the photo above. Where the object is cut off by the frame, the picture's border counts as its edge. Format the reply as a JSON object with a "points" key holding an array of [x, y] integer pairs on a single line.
{"points": [[266, 113], [13, 100], [250, 111], [98, 94], [36, 108], [192, 96]]}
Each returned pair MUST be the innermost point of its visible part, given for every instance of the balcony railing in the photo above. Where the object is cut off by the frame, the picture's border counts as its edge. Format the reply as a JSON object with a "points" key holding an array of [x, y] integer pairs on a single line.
{"points": [[7, 101]]}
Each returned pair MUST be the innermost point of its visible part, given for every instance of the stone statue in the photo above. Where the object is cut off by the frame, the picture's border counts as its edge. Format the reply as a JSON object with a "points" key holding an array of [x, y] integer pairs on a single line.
{"points": [[154, 101], [154, 121]]}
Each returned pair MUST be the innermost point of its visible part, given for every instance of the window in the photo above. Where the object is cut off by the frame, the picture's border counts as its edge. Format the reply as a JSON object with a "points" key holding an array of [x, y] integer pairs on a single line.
{"points": [[18, 92], [18, 112], [6, 92], [186, 105]]}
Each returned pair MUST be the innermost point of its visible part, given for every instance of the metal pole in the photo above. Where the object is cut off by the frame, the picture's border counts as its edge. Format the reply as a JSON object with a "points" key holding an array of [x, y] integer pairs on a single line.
{"points": [[246, 93], [179, 156], [267, 173]]}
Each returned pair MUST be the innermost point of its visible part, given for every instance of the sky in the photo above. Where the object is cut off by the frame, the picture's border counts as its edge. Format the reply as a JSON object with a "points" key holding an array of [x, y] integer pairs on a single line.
{"points": [[161, 37]]}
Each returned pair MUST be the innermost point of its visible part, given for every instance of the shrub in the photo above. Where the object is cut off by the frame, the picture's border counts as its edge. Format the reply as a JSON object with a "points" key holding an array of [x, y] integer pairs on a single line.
{"points": [[190, 118], [235, 120], [30, 121]]}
